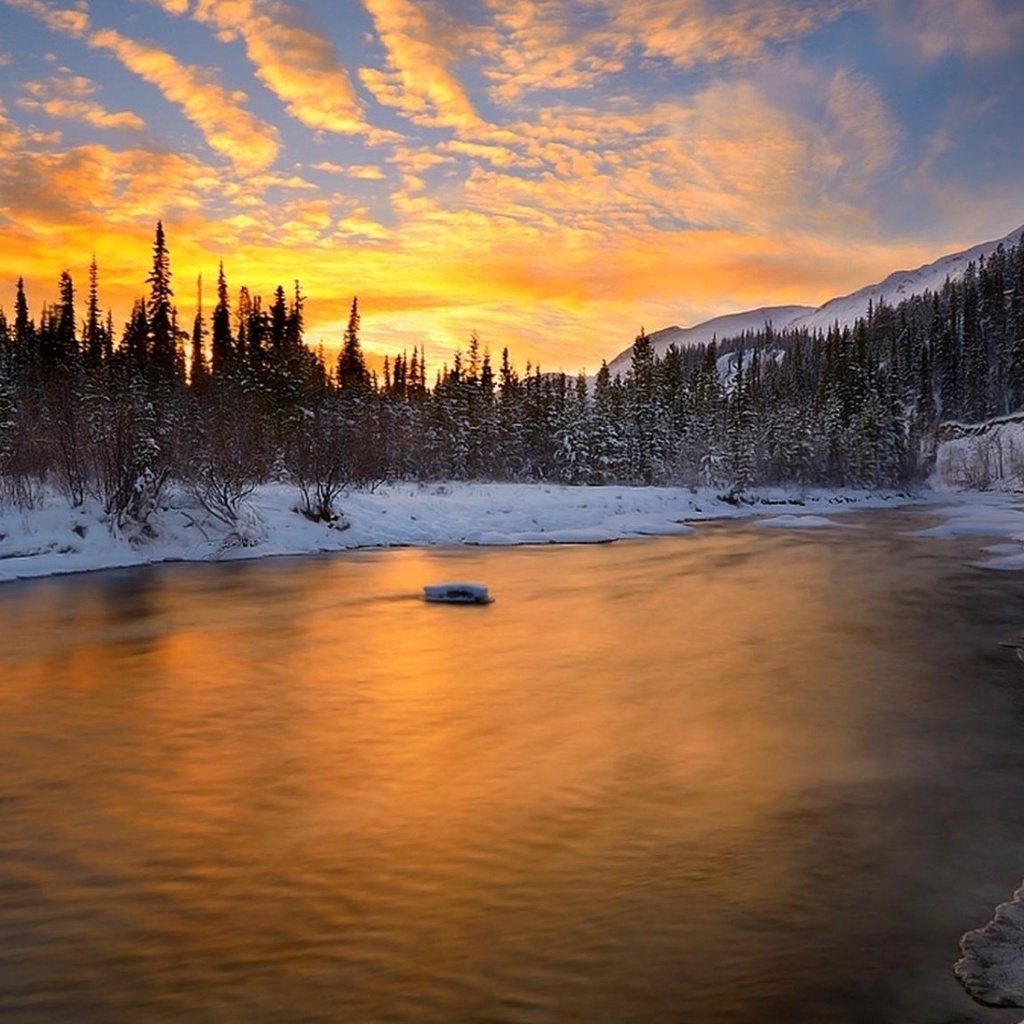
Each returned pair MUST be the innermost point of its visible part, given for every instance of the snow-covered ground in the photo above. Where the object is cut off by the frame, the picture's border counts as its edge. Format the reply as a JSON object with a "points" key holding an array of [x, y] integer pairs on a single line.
{"points": [[53, 538], [981, 456]]}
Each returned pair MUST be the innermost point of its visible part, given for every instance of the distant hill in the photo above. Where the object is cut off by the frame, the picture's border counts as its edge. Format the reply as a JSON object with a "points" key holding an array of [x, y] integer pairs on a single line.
{"points": [[843, 310]]}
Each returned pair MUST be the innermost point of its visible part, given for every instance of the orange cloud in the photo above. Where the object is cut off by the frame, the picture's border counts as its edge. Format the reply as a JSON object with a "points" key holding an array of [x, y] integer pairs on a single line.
{"points": [[541, 44], [68, 97], [686, 34], [68, 21], [419, 81], [361, 172], [297, 63], [220, 114]]}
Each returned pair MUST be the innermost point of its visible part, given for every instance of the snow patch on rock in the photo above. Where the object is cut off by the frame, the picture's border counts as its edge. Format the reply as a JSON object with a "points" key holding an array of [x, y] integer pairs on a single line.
{"points": [[991, 964]]}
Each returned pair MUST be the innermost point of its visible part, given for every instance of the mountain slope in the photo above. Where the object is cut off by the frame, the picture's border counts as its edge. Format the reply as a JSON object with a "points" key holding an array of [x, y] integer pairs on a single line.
{"points": [[843, 310], [727, 326], [899, 285]]}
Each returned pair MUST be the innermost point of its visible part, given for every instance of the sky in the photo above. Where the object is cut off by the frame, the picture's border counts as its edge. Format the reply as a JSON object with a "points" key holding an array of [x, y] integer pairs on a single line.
{"points": [[551, 175]]}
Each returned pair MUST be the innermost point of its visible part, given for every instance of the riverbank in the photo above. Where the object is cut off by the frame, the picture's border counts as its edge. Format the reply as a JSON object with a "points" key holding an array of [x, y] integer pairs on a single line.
{"points": [[53, 538]]}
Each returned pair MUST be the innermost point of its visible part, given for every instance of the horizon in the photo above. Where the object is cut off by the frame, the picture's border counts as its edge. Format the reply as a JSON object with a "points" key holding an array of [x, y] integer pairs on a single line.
{"points": [[550, 175]]}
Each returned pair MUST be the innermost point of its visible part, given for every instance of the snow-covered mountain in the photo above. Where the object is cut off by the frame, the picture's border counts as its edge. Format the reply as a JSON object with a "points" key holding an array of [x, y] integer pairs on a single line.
{"points": [[727, 326], [843, 310], [900, 285]]}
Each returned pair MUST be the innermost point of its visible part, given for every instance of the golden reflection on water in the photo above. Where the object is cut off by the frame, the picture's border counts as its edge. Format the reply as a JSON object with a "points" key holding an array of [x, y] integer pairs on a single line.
{"points": [[241, 789]]}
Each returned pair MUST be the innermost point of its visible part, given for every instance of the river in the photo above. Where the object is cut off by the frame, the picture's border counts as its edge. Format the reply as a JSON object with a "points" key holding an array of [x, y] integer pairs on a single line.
{"points": [[745, 776]]}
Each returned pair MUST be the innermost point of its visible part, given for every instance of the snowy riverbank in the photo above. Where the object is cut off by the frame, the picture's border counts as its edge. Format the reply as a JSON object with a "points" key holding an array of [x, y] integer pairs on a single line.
{"points": [[53, 538]]}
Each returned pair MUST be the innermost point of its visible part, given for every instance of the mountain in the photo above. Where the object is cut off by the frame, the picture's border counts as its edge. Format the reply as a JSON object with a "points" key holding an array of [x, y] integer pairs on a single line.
{"points": [[727, 326], [899, 286], [843, 310]]}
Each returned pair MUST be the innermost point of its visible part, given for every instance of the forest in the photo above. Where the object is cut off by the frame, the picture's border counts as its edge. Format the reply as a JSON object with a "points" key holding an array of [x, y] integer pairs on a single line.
{"points": [[241, 400]]}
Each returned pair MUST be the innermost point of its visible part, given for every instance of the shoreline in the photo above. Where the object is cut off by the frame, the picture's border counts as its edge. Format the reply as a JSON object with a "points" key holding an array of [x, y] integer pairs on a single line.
{"points": [[53, 539]]}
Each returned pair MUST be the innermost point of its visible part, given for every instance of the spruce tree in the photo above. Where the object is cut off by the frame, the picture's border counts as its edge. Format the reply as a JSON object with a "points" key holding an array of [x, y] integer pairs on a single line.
{"points": [[221, 343], [93, 340], [198, 370], [66, 339], [163, 342], [352, 372]]}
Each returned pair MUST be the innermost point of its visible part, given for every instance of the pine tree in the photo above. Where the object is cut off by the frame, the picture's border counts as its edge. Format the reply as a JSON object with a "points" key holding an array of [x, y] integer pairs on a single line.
{"points": [[352, 372], [135, 339], [278, 326], [24, 332], [198, 370], [66, 334], [163, 341], [93, 335], [296, 325], [221, 343]]}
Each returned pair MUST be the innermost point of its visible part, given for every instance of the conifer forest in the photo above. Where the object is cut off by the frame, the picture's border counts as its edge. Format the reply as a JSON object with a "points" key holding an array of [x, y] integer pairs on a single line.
{"points": [[122, 415]]}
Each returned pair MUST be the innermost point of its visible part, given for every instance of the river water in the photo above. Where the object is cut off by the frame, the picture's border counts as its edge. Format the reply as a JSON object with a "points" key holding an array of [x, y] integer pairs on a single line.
{"points": [[746, 776]]}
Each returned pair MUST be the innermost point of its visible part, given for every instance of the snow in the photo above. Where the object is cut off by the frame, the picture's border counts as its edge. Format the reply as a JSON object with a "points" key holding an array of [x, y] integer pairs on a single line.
{"points": [[728, 326], [898, 286], [991, 964], [457, 593], [843, 310], [53, 538], [795, 522], [981, 456]]}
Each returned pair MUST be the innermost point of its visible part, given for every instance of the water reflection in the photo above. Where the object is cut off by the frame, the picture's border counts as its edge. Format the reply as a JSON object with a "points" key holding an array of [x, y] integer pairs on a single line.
{"points": [[734, 777]]}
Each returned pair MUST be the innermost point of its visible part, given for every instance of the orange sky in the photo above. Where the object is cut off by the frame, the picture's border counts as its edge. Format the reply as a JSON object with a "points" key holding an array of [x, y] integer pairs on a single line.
{"points": [[549, 174]]}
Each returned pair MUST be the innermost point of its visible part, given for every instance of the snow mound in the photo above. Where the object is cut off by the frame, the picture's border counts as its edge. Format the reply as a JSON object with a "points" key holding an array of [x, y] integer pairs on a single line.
{"points": [[981, 456], [991, 964], [795, 522]]}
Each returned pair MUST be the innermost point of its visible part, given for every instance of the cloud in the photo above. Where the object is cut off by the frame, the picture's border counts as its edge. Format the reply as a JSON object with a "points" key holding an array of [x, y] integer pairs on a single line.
{"points": [[935, 28], [419, 80], [65, 20], [360, 172], [574, 44], [294, 60], [548, 44], [867, 138], [228, 127], [700, 32], [69, 97]]}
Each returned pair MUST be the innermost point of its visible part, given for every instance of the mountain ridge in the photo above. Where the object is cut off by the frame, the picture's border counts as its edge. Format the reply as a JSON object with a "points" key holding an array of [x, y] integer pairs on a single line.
{"points": [[843, 309]]}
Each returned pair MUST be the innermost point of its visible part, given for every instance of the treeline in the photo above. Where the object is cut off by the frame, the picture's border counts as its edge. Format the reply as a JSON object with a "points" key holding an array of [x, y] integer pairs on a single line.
{"points": [[240, 400]]}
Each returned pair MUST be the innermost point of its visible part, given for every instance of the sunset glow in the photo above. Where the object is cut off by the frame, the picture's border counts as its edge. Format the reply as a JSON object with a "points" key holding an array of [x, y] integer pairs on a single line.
{"points": [[549, 174]]}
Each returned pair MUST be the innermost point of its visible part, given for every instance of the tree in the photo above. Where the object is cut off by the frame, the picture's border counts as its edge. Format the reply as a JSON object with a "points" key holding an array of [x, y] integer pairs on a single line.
{"points": [[161, 314], [93, 336], [222, 344], [199, 371], [24, 332], [352, 373], [65, 339]]}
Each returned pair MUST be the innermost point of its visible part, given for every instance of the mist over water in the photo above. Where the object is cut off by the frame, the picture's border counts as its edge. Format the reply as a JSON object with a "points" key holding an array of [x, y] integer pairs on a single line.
{"points": [[746, 776]]}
